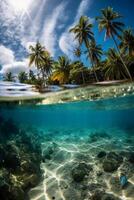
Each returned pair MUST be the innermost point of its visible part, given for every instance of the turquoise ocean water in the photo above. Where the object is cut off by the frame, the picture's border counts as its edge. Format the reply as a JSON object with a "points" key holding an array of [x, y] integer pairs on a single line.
{"points": [[66, 136], [110, 113]]}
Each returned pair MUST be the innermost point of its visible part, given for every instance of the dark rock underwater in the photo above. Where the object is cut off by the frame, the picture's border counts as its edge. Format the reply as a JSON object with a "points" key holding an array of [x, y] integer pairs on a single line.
{"points": [[20, 158]]}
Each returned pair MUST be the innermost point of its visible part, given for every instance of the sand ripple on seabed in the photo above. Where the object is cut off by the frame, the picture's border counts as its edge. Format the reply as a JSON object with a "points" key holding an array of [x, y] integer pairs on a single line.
{"points": [[58, 183]]}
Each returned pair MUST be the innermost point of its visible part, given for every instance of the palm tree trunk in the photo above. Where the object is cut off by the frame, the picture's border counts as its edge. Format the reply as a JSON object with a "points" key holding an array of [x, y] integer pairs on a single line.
{"points": [[43, 78], [121, 57], [97, 80], [94, 71], [83, 77], [93, 68]]}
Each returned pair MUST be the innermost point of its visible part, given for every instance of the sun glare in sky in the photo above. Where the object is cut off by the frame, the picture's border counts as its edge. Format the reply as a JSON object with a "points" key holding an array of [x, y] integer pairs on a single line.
{"points": [[20, 5]]}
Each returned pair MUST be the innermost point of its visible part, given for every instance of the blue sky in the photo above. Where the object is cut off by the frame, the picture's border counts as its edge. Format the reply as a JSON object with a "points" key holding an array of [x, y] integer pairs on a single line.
{"points": [[23, 22]]}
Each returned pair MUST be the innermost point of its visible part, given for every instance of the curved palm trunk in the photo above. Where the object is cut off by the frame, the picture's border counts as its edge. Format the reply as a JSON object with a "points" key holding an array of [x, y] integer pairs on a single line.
{"points": [[93, 68], [97, 80], [43, 77], [121, 57], [83, 77]]}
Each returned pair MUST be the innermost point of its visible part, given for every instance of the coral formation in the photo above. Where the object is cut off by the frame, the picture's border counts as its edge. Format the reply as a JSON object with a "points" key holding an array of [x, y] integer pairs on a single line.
{"points": [[20, 159]]}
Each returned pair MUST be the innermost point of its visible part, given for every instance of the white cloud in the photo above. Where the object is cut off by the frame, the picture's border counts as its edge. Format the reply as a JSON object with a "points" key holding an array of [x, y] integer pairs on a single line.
{"points": [[49, 36], [67, 41], [15, 67], [28, 44], [28, 27], [9, 64], [45, 32], [84, 5], [6, 55], [34, 25], [22, 25], [17, 25]]}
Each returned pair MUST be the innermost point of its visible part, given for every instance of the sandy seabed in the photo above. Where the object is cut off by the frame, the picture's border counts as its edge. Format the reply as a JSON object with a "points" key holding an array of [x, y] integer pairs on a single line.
{"points": [[86, 165]]}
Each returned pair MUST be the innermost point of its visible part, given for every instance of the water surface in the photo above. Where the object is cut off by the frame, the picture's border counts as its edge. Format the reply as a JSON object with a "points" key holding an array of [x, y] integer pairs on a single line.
{"points": [[80, 148]]}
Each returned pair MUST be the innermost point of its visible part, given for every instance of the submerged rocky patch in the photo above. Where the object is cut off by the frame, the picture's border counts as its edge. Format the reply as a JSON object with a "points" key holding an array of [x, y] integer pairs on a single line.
{"points": [[20, 158]]}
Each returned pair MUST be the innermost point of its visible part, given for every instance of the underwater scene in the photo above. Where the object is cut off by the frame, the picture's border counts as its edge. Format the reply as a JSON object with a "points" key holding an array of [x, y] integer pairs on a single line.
{"points": [[80, 150]]}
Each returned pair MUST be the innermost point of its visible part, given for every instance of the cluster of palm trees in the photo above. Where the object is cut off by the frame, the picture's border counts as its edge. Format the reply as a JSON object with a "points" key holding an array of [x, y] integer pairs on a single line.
{"points": [[115, 63], [23, 77], [115, 67], [9, 77]]}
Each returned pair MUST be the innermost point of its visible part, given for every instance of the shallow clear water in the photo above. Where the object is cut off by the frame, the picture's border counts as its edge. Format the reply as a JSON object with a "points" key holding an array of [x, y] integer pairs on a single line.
{"points": [[108, 113], [71, 134]]}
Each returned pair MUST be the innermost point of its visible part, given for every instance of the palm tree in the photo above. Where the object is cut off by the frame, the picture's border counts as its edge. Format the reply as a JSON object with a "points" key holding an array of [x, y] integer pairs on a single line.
{"points": [[22, 77], [127, 42], [78, 53], [77, 72], [113, 68], [108, 21], [41, 58], [36, 55], [61, 70], [83, 31], [9, 77], [46, 68], [94, 53]]}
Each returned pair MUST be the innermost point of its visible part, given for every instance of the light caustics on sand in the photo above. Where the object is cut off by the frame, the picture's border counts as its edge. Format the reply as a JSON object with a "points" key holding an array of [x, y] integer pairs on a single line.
{"points": [[56, 183]]}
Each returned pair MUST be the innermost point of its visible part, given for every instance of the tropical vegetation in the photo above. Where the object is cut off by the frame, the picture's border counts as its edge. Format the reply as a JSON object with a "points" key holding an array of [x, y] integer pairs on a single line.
{"points": [[94, 53], [42, 60], [113, 67], [127, 42], [84, 36], [9, 77], [61, 70], [114, 64], [108, 21], [22, 77]]}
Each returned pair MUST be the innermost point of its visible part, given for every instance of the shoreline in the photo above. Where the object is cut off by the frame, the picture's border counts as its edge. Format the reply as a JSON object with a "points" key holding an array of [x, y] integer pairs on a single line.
{"points": [[90, 92]]}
